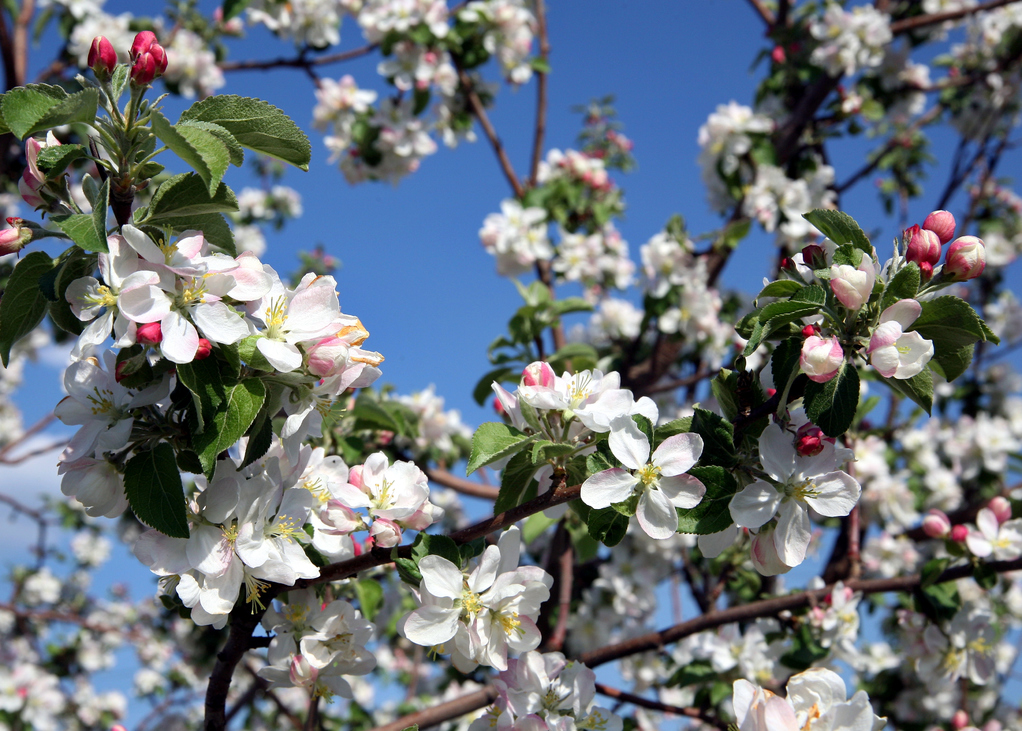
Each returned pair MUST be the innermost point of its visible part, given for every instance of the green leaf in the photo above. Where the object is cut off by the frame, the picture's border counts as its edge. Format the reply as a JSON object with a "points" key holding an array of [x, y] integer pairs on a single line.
{"points": [[918, 388], [932, 570], [712, 514], [718, 438], [203, 379], [441, 546], [724, 387], [540, 65], [373, 414], [234, 416], [483, 391], [493, 441], [39, 107], [187, 195], [677, 426], [582, 356], [546, 450], [903, 286], [784, 361], [370, 597], [570, 304], [260, 437], [608, 526], [255, 124], [806, 650], [514, 481], [203, 151], [939, 602], [88, 230], [832, 405], [840, 228], [949, 323], [23, 304], [54, 160], [951, 363], [233, 8], [535, 525], [234, 151], [76, 263], [777, 314], [693, 673], [782, 288], [153, 485]]}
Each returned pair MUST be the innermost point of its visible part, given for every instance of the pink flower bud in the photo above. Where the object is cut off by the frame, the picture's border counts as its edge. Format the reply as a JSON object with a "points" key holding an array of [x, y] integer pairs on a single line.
{"points": [[941, 223], [102, 57], [763, 553], [538, 373], [853, 286], [966, 258], [149, 333], [302, 674], [936, 524], [498, 407], [926, 271], [385, 533], [821, 358], [922, 245], [810, 440], [960, 720], [16, 238], [1001, 509], [204, 349], [148, 58], [119, 371], [355, 476], [778, 54], [959, 533]]}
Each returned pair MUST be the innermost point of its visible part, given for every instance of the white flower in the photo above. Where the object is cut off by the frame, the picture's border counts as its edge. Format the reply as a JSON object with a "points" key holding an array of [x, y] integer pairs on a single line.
{"points": [[894, 352], [1003, 542], [801, 483], [817, 701], [659, 481]]}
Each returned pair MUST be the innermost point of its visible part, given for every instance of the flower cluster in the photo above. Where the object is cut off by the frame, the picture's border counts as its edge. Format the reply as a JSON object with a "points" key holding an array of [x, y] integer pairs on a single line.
{"points": [[479, 616], [725, 141], [509, 27], [599, 261], [850, 40], [517, 237], [546, 692]]}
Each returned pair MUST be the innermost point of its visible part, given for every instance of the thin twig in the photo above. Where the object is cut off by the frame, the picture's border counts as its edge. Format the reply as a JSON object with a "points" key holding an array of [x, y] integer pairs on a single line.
{"points": [[892, 143], [21, 26], [460, 484], [491, 134], [300, 61], [638, 700], [32, 430], [921, 21], [541, 92]]}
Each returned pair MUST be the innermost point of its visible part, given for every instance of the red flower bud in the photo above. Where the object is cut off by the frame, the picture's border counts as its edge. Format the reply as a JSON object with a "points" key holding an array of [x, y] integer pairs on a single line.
{"points": [[941, 223], [498, 407], [148, 58], [204, 349], [778, 54], [119, 371], [960, 720], [810, 440], [150, 333], [966, 258], [922, 245], [959, 533], [926, 271], [102, 57], [814, 257], [809, 330]]}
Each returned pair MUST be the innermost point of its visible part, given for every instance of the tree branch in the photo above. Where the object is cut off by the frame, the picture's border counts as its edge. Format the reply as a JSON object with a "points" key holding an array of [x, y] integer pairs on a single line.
{"points": [[460, 484], [921, 21], [764, 12], [300, 61], [638, 700], [491, 134], [541, 93], [21, 24]]}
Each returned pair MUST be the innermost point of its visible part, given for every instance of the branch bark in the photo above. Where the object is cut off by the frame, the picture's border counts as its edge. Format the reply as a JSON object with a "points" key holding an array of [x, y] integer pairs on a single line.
{"points": [[460, 484], [300, 61], [921, 21], [638, 700], [491, 134]]}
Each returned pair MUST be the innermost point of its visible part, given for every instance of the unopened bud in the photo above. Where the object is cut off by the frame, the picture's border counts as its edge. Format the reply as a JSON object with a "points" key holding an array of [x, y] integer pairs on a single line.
{"points": [[538, 373], [119, 374], [498, 407], [355, 476], [936, 524], [922, 245], [814, 256], [941, 223], [15, 238], [778, 55], [151, 333], [810, 440], [204, 349], [787, 264], [966, 258], [926, 271], [102, 57], [809, 330], [821, 358], [1001, 509], [959, 533], [148, 59], [960, 720]]}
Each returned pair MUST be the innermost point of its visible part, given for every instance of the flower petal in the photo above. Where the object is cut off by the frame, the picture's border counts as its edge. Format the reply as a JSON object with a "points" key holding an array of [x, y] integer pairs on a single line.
{"points": [[656, 515], [755, 504], [608, 487]]}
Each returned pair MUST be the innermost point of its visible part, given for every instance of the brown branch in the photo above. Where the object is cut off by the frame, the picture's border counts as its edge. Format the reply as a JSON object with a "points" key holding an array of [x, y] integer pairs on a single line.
{"points": [[921, 21], [764, 12], [541, 93], [301, 61], [460, 484], [429, 717], [476, 106], [21, 25], [638, 700], [45, 615], [7, 53], [34, 429]]}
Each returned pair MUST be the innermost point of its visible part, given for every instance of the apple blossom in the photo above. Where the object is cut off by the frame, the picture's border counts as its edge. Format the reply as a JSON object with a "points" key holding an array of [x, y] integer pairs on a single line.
{"points": [[1003, 542], [922, 245], [797, 483], [817, 700], [892, 351], [936, 524], [853, 285], [659, 481], [102, 57], [32, 180], [966, 258], [821, 358], [942, 223]]}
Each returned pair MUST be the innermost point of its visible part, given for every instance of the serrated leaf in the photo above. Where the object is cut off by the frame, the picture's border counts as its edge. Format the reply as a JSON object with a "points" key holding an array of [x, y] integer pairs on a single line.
{"points": [[718, 438], [840, 228], [206, 154], [255, 124], [234, 150], [949, 323], [832, 405], [188, 195], [785, 361], [724, 387], [203, 379], [53, 161], [918, 388], [607, 525], [232, 419], [777, 314], [153, 486], [951, 363], [783, 288], [493, 441], [483, 391], [712, 514], [903, 286], [23, 304], [88, 230], [514, 481], [370, 597], [39, 107]]}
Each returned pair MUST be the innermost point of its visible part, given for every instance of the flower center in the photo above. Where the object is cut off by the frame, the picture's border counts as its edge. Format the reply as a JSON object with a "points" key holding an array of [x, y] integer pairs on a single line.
{"points": [[470, 604], [276, 315], [649, 475]]}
